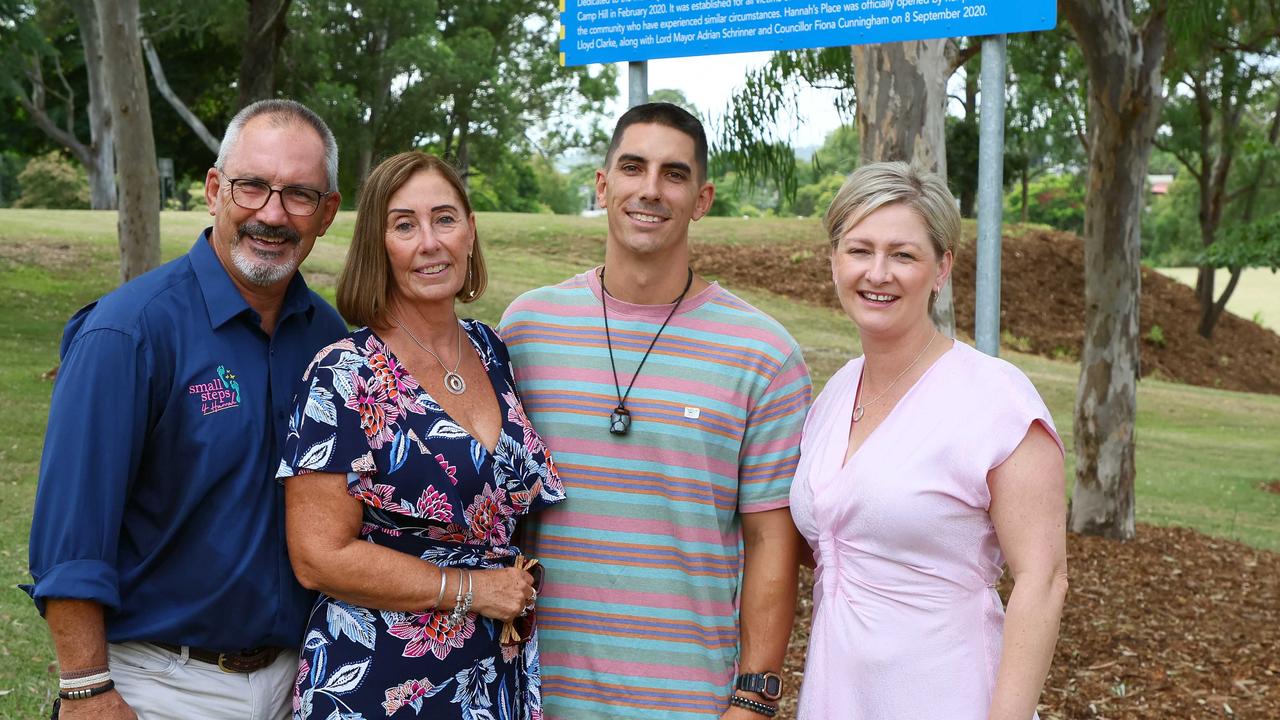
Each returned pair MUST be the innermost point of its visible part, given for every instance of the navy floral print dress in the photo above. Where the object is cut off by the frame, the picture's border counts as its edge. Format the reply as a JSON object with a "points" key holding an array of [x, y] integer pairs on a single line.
{"points": [[429, 489]]}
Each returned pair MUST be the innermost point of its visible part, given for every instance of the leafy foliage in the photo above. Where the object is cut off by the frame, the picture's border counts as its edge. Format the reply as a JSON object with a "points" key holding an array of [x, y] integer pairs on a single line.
{"points": [[1256, 244], [750, 141], [475, 82], [53, 181], [1056, 200]]}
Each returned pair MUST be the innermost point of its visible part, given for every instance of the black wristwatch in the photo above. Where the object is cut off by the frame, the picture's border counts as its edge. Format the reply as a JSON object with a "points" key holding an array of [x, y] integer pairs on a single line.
{"points": [[768, 684]]}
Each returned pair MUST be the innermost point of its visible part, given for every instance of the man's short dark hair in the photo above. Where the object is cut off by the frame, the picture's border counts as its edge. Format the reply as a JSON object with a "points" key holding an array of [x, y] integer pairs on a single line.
{"points": [[672, 116]]}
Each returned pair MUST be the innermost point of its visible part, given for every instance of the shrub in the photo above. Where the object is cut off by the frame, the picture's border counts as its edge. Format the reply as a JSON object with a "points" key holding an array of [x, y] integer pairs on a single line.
{"points": [[53, 181]]}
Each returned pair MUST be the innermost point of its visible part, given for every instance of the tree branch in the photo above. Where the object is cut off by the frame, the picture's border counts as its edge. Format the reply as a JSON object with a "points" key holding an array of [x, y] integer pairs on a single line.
{"points": [[162, 85], [276, 17], [958, 57], [34, 105]]}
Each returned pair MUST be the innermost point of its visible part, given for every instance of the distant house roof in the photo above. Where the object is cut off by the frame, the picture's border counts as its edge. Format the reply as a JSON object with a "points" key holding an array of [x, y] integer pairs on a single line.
{"points": [[1159, 183]]}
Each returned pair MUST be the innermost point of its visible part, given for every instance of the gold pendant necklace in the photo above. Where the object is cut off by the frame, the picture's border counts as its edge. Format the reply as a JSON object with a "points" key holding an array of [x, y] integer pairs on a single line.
{"points": [[860, 409]]}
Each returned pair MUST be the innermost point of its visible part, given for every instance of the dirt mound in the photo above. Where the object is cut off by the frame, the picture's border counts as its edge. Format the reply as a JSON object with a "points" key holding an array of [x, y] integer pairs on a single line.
{"points": [[1174, 624], [1042, 306]]}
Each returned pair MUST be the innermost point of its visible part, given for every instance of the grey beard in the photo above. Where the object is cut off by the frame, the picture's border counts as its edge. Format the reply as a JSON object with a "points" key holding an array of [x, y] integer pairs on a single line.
{"points": [[262, 274]]}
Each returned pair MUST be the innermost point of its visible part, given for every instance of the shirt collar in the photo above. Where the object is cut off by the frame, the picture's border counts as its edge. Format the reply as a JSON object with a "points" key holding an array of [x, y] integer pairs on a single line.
{"points": [[223, 300]]}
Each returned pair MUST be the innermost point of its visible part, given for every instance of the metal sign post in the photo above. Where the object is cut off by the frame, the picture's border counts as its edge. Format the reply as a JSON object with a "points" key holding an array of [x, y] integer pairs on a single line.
{"points": [[986, 306], [637, 83]]}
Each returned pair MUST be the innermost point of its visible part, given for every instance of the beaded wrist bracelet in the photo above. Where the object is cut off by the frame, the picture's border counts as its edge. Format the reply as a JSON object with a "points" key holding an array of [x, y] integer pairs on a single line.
{"points": [[753, 706], [462, 606]]}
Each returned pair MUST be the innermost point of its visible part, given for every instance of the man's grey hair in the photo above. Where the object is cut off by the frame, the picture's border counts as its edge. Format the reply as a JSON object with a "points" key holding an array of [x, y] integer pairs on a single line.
{"points": [[284, 111]]}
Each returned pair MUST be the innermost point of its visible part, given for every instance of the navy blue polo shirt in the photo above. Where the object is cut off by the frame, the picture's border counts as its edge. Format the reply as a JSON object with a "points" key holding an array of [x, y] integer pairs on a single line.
{"points": [[157, 495]]}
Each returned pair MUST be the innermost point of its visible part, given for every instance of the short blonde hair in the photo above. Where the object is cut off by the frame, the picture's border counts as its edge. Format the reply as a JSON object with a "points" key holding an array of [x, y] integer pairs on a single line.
{"points": [[876, 185], [365, 281]]}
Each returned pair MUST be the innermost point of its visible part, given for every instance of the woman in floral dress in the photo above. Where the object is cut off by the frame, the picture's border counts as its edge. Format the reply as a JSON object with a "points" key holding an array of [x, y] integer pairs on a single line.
{"points": [[408, 464]]}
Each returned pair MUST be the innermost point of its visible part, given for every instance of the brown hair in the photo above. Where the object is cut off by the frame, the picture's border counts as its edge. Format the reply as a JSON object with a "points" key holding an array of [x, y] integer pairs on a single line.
{"points": [[365, 281]]}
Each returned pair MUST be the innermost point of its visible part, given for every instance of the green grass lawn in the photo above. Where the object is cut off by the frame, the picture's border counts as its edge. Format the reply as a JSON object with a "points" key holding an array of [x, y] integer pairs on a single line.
{"points": [[1202, 454], [1256, 297]]}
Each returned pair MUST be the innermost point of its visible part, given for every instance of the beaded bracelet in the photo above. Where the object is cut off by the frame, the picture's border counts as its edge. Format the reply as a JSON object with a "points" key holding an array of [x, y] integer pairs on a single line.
{"points": [[463, 605], [753, 706], [87, 693]]}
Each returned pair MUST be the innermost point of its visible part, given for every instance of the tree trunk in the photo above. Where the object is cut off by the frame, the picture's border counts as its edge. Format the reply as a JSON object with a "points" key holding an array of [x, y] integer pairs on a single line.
{"points": [[969, 193], [126, 82], [1125, 96], [378, 41], [1026, 189], [901, 109], [261, 47], [463, 161], [102, 171]]}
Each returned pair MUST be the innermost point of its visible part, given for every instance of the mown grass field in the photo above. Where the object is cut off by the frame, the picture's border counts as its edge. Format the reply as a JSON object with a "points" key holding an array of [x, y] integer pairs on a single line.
{"points": [[1203, 455], [1256, 297]]}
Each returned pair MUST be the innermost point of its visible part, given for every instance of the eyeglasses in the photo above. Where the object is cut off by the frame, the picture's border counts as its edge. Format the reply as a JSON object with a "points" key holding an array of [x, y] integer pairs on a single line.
{"points": [[254, 195]]}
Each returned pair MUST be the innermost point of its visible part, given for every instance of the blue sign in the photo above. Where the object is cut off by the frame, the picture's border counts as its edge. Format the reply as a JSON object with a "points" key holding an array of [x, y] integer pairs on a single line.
{"points": [[604, 31]]}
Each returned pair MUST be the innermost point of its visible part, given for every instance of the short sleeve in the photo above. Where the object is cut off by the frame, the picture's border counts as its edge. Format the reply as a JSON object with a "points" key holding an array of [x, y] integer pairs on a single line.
{"points": [[771, 442], [1019, 406], [336, 421]]}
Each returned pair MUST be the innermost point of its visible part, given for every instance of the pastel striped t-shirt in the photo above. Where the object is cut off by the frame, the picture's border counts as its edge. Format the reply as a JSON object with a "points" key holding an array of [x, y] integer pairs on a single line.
{"points": [[638, 613]]}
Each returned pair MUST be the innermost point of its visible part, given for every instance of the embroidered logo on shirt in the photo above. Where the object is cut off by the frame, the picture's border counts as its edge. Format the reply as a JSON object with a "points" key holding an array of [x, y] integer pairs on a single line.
{"points": [[219, 394], [692, 413]]}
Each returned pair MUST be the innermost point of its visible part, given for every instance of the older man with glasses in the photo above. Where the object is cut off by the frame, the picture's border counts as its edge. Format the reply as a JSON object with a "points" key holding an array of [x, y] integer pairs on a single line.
{"points": [[157, 545]]}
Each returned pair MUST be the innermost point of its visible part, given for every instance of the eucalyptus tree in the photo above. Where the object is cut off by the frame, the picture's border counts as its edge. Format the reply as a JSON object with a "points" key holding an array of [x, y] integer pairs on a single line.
{"points": [[1123, 51], [138, 222]]}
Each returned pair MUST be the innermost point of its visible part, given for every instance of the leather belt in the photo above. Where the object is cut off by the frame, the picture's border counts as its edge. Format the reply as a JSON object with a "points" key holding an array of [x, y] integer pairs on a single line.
{"points": [[242, 661]]}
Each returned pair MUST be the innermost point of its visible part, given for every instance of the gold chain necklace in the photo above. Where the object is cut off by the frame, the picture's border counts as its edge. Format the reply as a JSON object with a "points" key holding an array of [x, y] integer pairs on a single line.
{"points": [[860, 409]]}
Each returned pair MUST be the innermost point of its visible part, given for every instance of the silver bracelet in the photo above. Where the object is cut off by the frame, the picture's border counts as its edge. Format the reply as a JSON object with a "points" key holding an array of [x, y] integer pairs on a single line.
{"points": [[463, 605], [440, 597]]}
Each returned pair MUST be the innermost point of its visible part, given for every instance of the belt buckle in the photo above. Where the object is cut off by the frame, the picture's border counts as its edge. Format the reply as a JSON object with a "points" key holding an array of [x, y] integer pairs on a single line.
{"points": [[222, 658]]}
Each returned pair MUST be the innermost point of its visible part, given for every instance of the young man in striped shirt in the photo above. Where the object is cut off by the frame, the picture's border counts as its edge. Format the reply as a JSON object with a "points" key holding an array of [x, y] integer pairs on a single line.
{"points": [[674, 410]]}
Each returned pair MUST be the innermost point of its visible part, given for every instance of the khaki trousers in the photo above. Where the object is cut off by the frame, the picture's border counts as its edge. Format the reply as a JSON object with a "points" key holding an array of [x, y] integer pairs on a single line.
{"points": [[161, 685]]}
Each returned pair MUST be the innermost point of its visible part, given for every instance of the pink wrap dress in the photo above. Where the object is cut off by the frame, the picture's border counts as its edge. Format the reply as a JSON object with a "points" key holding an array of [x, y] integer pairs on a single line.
{"points": [[906, 620]]}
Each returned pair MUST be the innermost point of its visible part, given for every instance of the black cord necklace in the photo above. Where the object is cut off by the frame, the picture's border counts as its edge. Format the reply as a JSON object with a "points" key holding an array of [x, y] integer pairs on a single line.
{"points": [[620, 418]]}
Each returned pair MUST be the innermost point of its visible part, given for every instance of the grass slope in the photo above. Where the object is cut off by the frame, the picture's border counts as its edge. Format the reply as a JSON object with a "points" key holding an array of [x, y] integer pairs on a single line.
{"points": [[1202, 454]]}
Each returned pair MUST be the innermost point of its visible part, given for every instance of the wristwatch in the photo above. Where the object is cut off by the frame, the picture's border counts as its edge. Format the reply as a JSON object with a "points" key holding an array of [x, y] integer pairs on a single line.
{"points": [[768, 684]]}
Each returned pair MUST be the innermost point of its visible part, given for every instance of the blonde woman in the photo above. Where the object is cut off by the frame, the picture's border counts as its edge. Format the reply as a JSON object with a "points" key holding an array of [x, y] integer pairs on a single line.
{"points": [[925, 467]]}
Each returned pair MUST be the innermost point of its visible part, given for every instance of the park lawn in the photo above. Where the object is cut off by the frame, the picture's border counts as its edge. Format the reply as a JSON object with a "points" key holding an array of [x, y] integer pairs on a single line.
{"points": [[1256, 297], [1202, 454]]}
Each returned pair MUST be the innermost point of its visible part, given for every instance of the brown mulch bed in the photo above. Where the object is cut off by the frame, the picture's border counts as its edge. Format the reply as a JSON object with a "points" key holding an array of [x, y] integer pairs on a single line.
{"points": [[1042, 306], [1173, 625]]}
